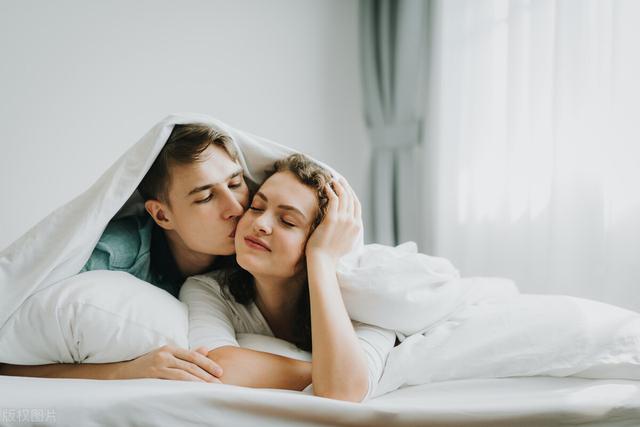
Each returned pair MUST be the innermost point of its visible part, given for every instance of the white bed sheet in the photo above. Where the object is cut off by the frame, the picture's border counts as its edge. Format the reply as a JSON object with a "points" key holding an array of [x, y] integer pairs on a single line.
{"points": [[536, 401]]}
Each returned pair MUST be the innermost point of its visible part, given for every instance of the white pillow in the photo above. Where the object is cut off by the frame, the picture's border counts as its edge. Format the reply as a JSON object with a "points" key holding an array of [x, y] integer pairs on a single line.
{"points": [[276, 346], [94, 317], [527, 335], [272, 345], [400, 289]]}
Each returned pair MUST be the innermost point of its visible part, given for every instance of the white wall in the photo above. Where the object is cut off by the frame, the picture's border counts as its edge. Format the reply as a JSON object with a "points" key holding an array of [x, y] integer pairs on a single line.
{"points": [[81, 81]]}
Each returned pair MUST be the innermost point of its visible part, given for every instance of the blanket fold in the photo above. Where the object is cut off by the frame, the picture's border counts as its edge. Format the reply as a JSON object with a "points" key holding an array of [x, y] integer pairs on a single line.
{"points": [[58, 246]]}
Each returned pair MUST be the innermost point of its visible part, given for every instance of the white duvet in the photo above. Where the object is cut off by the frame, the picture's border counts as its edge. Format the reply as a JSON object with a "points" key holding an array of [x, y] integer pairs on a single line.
{"points": [[481, 327], [530, 402], [450, 327]]}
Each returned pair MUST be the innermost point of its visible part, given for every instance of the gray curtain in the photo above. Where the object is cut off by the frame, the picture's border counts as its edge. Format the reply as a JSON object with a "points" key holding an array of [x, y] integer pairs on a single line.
{"points": [[394, 46]]}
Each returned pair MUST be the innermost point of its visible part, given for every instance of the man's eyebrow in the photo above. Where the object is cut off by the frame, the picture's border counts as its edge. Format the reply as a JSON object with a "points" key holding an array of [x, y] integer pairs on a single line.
{"points": [[208, 186], [285, 207]]}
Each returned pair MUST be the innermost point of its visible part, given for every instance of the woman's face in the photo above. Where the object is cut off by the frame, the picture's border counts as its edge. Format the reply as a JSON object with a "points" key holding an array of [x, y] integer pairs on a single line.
{"points": [[271, 236]]}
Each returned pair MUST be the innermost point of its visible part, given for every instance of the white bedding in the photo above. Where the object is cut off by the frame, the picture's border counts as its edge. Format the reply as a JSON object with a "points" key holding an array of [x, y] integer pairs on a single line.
{"points": [[539, 401], [56, 249], [455, 328]]}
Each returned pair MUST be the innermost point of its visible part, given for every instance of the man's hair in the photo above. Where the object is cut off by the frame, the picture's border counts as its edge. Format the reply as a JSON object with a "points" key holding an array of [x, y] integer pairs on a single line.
{"points": [[184, 146]]}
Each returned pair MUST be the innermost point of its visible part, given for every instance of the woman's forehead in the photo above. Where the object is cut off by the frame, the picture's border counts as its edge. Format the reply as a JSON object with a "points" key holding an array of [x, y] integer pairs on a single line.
{"points": [[283, 188]]}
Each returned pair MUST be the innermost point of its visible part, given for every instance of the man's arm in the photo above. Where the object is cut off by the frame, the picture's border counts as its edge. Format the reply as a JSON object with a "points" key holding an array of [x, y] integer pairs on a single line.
{"points": [[98, 371], [166, 362], [259, 369]]}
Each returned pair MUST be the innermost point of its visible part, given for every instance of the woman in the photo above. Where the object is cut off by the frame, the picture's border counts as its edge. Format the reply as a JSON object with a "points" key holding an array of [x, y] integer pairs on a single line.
{"points": [[299, 224]]}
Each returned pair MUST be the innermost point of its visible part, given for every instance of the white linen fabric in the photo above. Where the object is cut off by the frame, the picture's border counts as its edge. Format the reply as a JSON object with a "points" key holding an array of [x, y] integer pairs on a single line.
{"points": [[215, 318], [532, 402], [398, 288], [518, 336], [271, 344], [94, 317], [106, 316], [456, 328], [58, 246], [490, 330]]}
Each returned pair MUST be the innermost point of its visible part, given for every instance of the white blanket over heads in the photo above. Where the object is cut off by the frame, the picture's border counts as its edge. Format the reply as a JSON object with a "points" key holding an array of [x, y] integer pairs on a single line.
{"points": [[59, 246]]}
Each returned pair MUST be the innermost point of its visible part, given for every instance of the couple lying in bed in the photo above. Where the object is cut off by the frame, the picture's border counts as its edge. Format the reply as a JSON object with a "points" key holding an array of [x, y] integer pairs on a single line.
{"points": [[281, 282]]}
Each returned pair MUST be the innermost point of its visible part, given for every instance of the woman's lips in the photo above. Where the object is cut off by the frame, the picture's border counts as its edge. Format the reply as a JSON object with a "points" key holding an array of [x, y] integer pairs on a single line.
{"points": [[255, 243]]}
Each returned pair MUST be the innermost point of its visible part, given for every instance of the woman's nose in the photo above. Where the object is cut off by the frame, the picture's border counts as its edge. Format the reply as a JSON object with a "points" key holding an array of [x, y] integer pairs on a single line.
{"points": [[261, 224]]}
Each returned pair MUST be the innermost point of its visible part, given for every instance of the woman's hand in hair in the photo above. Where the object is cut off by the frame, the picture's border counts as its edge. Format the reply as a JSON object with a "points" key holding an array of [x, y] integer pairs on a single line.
{"points": [[341, 225]]}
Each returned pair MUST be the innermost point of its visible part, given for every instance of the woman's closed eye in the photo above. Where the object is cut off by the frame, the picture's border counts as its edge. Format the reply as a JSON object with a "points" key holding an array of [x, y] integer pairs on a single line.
{"points": [[287, 223], [236, 184], [284, 221]]}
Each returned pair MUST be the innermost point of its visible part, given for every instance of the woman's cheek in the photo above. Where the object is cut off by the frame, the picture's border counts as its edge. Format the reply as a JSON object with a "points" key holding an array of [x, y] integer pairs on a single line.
{"points": [[300, 248]]}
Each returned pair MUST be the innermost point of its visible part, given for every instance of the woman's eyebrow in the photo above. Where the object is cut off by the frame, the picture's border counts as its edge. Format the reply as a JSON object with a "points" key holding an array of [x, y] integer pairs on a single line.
{"points": [[285, 207], [236, 173]]}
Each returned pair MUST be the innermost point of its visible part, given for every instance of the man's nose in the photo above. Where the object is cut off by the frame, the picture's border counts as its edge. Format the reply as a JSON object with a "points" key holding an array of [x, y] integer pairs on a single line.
{"points": [[232, 207]]}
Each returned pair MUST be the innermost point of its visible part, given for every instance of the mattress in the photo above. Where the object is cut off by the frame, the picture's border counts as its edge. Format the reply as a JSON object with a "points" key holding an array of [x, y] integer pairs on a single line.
{"points": [[534, 401]]}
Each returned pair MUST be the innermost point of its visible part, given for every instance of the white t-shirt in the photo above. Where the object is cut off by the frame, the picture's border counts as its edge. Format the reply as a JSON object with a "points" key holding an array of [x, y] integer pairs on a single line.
{"points": [[215, 318]]}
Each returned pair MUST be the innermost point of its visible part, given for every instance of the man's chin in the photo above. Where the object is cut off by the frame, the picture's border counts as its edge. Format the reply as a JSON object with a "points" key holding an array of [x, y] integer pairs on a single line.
{"points": [[230, 250], [221, 250], [227, 252]]}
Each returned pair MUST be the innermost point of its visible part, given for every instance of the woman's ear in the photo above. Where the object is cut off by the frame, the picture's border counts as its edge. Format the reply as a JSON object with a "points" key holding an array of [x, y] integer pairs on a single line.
{"points": [[160, 213]]}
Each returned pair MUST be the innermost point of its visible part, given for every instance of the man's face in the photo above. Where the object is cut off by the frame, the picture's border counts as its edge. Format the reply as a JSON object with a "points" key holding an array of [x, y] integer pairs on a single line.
{"points": [[207, 198]]}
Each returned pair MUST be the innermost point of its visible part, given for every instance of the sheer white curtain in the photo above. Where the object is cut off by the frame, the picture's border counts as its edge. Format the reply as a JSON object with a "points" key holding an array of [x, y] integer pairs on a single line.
{"points": [[533, 144]]}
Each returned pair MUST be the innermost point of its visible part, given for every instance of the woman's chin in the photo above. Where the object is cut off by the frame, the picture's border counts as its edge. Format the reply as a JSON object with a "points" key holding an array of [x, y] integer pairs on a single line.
{"points": [[246, 262]]}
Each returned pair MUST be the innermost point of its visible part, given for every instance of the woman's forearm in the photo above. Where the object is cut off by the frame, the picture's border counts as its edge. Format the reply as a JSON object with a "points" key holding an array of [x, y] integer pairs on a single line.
{"points": [[251, 368], [339, 366]]}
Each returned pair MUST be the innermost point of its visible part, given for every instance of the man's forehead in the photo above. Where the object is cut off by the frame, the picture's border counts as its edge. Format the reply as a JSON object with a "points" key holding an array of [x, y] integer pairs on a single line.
{"points": [[203, 173]]}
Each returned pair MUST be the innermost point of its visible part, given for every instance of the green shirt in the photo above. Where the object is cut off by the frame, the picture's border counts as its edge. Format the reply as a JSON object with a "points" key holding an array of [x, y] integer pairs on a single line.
{"points": [[136, 245]]}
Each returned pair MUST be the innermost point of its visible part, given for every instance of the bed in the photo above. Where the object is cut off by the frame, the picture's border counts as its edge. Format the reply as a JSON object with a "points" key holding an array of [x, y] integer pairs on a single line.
{"points": [[56, 249], [534, 401]]}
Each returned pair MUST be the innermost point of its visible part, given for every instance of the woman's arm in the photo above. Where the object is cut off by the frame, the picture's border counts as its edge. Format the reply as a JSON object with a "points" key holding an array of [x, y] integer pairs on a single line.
{"points": [[210, 326], [251, 368], [339, 365], [166, 362]]}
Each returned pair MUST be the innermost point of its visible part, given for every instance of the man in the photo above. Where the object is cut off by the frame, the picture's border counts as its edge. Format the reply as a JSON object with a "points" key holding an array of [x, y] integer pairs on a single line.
{"points": [[194, 195]]}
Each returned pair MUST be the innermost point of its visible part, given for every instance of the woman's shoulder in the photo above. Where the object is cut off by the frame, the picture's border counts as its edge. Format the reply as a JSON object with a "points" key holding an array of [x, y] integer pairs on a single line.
{"points": [[210, 282]]}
